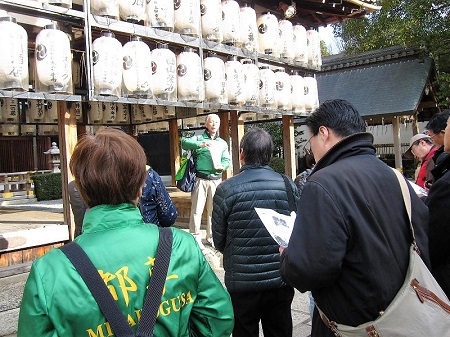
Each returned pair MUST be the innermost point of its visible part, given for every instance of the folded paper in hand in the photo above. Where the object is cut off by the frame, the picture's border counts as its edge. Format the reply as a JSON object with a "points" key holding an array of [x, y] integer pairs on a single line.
{"points": [[278, 225]]}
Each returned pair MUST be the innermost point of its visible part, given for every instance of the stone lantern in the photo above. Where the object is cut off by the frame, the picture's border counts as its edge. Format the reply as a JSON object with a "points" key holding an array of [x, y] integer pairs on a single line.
{"points": [[55, 159]]}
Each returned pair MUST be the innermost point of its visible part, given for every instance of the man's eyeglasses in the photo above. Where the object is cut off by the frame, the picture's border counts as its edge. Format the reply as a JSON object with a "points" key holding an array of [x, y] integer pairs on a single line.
{"points": [[307, 147]]}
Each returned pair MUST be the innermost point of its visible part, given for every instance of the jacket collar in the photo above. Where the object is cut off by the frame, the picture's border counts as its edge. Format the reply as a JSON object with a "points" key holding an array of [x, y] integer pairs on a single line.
{"points": [[249, 167], [358, 143]]}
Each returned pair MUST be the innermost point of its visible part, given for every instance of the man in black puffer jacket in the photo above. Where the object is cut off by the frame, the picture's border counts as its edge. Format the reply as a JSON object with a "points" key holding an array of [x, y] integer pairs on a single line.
{"points": [[251, 256]]}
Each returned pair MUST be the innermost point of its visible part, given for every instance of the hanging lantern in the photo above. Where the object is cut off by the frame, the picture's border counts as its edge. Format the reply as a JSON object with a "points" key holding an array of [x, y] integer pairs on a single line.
{"points": [[53, 61], [211, 14], [158, 112], [299, 46], [235, 80], [313, 43], [231, 26], [164, 73], [107, 61], [10, 129], [78, 111], [36, 109], [28, 130], [95, 112], [190, 122], [46, 130], [187, 17], [249, 116], [286, 39], [107, 8], [51, 111], [297, 93], [132, 10], [267, 32], [267, 87], [109, 112], [283, 90], [14, 55], [214, 76], [62, 3], [311, 94], [169, 111], [147, 112], [122, 113], [160, 14], [136, 113], [189, 76], [249, 29], [10, 108], [251, 82], [136, 68]]}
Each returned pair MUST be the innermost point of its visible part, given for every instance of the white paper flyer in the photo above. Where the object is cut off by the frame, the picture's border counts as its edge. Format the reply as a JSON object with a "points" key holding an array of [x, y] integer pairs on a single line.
{"points": [[419, 190], [278, 225]]}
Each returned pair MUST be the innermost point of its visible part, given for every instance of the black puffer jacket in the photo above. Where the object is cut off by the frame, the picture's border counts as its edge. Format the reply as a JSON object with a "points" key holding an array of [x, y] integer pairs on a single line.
{"points": [[350, 242], [251, 257]]}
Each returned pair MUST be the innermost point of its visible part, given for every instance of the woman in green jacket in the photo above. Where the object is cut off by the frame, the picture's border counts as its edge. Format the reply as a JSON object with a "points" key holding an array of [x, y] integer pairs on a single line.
{"points": [[109, 171]]}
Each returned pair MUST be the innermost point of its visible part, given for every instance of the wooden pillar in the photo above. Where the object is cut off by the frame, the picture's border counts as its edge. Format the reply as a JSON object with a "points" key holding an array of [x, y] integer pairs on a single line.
{"points": [[67, 130], [289, 145], [415, 125], [397, 143], [174, 149], [237, 132], [224, 132]]}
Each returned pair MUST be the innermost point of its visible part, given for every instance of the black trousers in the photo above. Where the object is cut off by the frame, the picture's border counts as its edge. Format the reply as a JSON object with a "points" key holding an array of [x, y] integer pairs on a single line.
{"points": [[271, 307]]}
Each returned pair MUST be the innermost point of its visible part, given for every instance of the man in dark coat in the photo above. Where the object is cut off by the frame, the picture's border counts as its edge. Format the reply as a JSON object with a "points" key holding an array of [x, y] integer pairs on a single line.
{"points": [[438, 202], [250, 254], [350, 242]]}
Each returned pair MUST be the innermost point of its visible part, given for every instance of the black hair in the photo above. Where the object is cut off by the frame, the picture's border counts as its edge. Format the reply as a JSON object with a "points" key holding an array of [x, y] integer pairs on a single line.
{"points": [[438, 122], [337, 115], [257, 145]]}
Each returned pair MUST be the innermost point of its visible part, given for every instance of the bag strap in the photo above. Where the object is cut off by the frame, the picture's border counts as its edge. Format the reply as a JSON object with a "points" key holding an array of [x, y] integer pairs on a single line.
{"points": [[290, 193], [102, 295]]}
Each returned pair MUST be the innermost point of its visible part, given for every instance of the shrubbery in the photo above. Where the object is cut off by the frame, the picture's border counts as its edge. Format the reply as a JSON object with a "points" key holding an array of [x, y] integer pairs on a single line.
{"points": [[47, 186]]}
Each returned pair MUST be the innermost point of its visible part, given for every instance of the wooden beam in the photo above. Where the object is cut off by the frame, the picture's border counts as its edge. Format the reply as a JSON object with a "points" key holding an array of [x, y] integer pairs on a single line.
{"points": [[397, 143], [224, 132], [67, 130], [289, 145], [237, 132], [174, 149]]}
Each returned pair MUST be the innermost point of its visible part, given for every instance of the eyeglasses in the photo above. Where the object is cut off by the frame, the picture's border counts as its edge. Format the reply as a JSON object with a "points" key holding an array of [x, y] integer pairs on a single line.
{"points": [[307, 144]]}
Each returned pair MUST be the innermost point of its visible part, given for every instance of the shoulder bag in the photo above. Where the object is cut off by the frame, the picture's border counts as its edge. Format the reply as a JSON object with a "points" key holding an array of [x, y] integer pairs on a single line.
{"points": [[186, 175], [104, 299], [420, 307]]}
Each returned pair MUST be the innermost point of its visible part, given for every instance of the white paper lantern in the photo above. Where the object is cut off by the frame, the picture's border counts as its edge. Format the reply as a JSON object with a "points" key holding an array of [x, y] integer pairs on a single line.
{"points": [[136, 113], [169, 111], [251, 82], [235, 80], [47, 130], [107, 61], [231, 26], [95, 112], [283, 92], [53, 61], [160, 14], [10, 129], [122, 113], [51, 111], [189, 76], [147, 112], [36, 110], [28, 130], [107, 8], [190, 122], [286, 39], [164, 73], [79, 111], [62, 3], [249, 116], [132, 10], [297, 93], [267, 87], [214, 76], [137, 70], [249, 29], [187, 17], [267, 32], [311, 94], [10, 110], [158, 112], [109, 113], [299, 46], [314, 53], [211, 14], [14, 55]]}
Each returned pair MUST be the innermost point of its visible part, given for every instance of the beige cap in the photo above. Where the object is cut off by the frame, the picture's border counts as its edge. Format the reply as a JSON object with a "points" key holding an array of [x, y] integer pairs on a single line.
{"points": [[408, 153]]}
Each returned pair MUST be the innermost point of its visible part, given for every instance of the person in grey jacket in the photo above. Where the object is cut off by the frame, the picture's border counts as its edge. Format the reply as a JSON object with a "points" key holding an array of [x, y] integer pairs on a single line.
{"points": [[351, 238], [251, 256]]}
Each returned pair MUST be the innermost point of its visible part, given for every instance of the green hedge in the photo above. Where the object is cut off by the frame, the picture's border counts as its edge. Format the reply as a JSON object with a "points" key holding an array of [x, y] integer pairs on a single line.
{"points": [[277, 164], [47, 186]]}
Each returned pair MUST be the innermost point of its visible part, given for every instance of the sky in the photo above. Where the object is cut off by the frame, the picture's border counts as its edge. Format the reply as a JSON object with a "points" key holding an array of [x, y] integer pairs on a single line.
{"points": [[326, 34]]}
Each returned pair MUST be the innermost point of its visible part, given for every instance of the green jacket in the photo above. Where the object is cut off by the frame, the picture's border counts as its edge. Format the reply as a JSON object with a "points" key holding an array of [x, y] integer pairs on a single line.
{"points": [[203, 160], [57, 302]]}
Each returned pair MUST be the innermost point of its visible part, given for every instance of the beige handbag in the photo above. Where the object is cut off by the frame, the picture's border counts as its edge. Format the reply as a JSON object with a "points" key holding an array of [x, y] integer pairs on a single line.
{"points": [[420, 307]]}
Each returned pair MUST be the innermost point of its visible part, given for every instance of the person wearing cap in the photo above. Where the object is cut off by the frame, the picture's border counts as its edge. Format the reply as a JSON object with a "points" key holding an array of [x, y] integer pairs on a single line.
{"points": [[421, 146]]}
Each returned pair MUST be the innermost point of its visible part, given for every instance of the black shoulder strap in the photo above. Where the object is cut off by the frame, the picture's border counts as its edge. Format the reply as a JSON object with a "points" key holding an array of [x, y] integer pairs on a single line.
{"points": [[104, 299], [290, 193]]}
